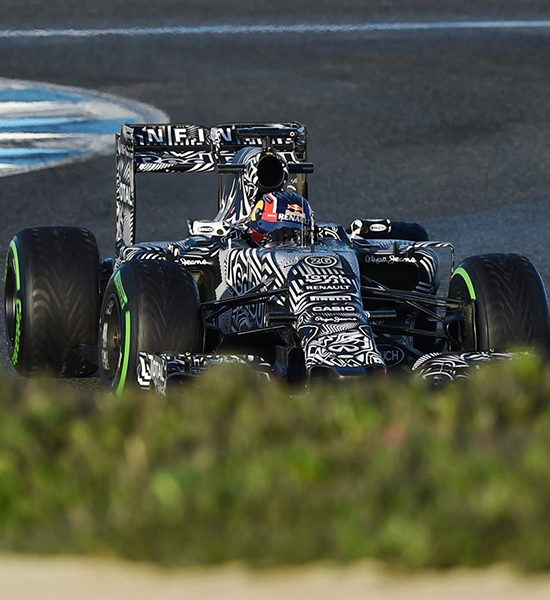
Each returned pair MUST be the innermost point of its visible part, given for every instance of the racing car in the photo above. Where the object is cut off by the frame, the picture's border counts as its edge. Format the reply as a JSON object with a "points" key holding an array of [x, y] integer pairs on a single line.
{"points": [[262, 284]]}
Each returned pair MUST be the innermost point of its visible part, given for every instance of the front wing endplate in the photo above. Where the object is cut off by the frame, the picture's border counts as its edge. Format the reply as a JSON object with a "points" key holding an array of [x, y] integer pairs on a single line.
{"points": [[155, 370], [443, 367]]}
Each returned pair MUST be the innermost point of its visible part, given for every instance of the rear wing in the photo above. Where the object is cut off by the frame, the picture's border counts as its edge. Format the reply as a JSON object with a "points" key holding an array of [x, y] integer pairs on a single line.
{"points": [[181, 148]]}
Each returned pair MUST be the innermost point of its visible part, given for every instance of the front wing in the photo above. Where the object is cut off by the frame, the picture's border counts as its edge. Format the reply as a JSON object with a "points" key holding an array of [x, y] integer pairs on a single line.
{"points": [[156, 370]]}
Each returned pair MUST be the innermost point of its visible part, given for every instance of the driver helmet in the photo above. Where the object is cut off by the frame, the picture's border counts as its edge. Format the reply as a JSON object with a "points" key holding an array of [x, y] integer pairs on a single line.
{"points": [[277, 210]]}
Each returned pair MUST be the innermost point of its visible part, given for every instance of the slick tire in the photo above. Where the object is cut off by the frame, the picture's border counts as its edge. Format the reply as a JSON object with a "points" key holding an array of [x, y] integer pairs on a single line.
{"points": [[51, 301], [149, 306], [403, 230], [509, 306]]}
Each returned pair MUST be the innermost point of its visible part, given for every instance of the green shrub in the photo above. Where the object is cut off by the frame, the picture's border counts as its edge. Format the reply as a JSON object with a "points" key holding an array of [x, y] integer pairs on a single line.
{"points": [[232, 468]]}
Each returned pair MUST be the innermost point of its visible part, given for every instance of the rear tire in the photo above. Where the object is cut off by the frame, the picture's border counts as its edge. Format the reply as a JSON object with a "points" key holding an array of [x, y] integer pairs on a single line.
{"points": [[51, 301], [149, 306], [510, 306], [412, 232]]}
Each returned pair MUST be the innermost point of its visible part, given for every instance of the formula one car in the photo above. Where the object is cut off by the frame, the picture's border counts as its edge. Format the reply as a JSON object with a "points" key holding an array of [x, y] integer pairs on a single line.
{"points": [[262, 284]]}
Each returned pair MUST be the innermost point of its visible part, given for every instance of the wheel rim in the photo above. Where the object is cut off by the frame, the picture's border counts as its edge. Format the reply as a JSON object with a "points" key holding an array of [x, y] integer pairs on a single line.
{"points": [[462, 332], [111, 338]]}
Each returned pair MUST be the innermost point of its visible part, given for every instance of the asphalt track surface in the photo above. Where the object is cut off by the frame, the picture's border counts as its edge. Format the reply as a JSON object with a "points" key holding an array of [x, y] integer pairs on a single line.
{"points": [[450, 128]]}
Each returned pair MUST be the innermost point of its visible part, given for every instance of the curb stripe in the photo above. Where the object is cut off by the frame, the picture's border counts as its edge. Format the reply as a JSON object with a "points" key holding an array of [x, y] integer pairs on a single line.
{"points": [[24, 122], [45, 125]]}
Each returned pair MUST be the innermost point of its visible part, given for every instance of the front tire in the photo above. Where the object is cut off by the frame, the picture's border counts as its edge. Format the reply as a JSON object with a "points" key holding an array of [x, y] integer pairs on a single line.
{"points": [[51, 301], [509, 302], [149, 306]]}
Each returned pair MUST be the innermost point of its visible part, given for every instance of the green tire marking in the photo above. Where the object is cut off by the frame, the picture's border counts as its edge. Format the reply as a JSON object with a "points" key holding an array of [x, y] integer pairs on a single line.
{"points": [[17, 339], [13, 248], [126, 357], [120, 289], [467, 280], [18, 303]]}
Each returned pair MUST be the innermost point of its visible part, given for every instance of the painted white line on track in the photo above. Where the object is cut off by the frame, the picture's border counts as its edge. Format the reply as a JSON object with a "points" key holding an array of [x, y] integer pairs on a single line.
{"points": [[276, 29]]}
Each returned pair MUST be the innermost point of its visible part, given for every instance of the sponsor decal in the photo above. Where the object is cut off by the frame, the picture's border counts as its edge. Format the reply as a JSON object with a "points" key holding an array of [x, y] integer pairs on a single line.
{"points": [[289, 216], [172, 135], [375, 259], [392, 355], [331, 298], [293, 212], [369, 258], [361, 227], [208, 227], [120, 289], [348, 309], [190, 262], [125, 193], [329, 278], [229, 135], [329, 288], [321, 261], [158, 372], [332, 319]]}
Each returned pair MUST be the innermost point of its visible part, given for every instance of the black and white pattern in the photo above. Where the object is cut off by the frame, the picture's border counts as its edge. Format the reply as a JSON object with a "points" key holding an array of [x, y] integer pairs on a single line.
{"points": [[350, 304], [243, 269], [165, 148], [353, 348], [239, 196], [331, 231], [184, 252], [154, 371], [324, 293], [397, 252], [172, 134], [190, 161], [442, 367], [125, 194], [229, 137]]}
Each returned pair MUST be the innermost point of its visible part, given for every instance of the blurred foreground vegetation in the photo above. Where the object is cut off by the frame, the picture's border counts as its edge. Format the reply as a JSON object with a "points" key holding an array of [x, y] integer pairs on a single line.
{"points": [[235, 469]]}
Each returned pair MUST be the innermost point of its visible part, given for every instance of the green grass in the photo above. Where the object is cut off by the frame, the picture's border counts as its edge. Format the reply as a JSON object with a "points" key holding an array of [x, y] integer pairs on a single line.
{"points": [[235, 469]]}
